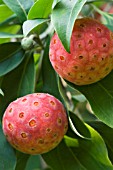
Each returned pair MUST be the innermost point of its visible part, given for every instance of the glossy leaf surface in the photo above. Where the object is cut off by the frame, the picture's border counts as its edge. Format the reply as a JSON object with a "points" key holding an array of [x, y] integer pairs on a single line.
{"points": [[29, 25], [69, 11], [7, 155], [41, 9], [100, 97]]}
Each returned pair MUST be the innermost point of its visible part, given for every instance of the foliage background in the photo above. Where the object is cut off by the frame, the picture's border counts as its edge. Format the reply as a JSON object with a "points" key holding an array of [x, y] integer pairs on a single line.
{"points": [[26, 28]]}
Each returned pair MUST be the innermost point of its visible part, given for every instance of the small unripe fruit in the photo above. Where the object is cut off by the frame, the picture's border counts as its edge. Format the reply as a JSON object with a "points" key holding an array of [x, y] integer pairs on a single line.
{"points": [[35, 123], [27, 43], [91, 53]]}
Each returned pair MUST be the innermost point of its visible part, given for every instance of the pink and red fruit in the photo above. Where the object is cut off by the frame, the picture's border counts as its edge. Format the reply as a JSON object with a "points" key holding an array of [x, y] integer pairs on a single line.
{"points": [[35, 123], [91, 53]]}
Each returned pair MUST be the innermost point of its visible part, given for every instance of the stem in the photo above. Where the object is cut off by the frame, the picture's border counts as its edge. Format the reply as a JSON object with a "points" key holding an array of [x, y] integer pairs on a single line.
{"points": [[38, 40]]}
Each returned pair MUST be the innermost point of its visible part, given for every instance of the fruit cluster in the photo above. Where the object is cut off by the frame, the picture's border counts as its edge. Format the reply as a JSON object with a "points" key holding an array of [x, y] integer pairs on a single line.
{"points": [[36, 123]]}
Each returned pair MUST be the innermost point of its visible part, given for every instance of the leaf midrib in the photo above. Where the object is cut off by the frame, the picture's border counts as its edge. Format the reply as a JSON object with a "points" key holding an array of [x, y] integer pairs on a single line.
{"points": [[105, 89], [22, 8], [60, 159]]}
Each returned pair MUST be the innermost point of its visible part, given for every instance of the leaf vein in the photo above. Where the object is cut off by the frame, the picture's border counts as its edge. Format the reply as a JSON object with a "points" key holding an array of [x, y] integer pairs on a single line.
{"points": [[22, 8]]}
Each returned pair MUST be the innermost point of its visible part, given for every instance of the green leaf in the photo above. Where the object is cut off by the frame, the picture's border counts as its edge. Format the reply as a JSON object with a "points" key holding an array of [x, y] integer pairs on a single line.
{"points": [[18, 8], [33, 163], [18, 82], [86, 114], [8, 29], [41, 9], [12, 18], [68, 12], [1, 2], [21, 160], [10, 58], [106, 132], [29, 25], [12, 48], [55, 2], [4, 15], [27, 4], [62, 158], [78, 126], [92, 154], [50, 82], [79, 97], [7, 155], [100, 97], [8, 35], [45, 169], [109, 26], [27, 82]]}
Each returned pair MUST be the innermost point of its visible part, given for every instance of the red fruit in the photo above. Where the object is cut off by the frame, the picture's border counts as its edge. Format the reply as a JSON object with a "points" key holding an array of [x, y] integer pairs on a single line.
{"points": [[91, 53], [35, 123]]}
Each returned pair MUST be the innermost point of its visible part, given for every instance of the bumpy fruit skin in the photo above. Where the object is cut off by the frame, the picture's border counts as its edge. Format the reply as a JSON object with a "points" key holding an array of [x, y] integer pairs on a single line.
{"points": [[91, 53], [35, 123]]}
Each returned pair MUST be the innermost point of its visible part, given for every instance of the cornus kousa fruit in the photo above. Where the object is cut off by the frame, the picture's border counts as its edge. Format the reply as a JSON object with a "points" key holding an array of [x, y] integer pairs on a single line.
{"points": [[35, 123], [91, 53]]}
